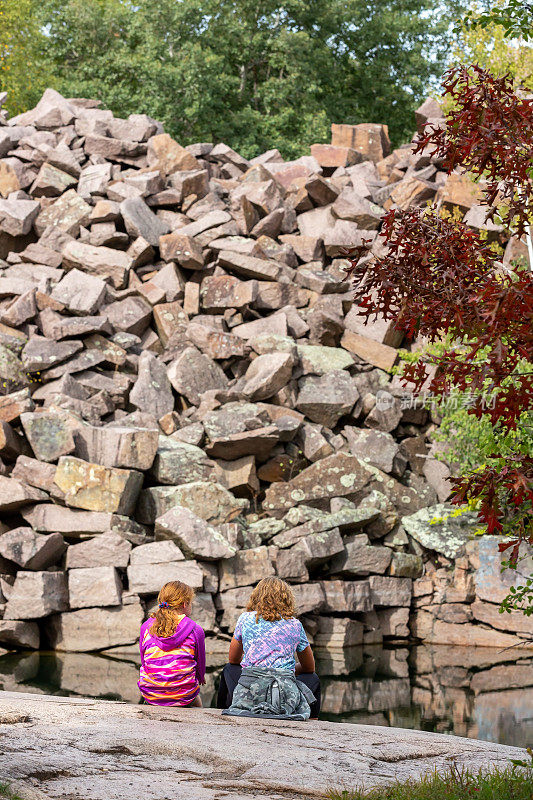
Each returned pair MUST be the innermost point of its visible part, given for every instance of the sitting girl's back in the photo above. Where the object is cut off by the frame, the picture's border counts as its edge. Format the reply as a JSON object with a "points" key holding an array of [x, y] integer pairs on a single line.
{"points": [[172, 650], [269, 643], [261, 678], [269, 632]]}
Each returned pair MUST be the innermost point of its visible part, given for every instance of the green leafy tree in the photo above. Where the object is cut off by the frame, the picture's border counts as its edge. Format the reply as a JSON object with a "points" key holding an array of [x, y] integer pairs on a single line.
{"points": [[514, 16], [491, 47], [255, 74], [21, 57]]}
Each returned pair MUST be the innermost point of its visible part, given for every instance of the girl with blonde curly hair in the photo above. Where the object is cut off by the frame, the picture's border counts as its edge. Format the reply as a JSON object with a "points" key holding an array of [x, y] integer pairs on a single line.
{"points": [[268, 637], [172, 650]]}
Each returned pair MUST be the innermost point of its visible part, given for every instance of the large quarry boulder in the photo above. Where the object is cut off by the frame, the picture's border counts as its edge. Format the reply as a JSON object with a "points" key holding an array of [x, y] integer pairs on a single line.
{"points": [[493, 585], [108, 549], [209, 501], [266, 375], [15, 633], [37, 594], [95, 628], [97, 488], [94, 586], [130, 448], [146, 579], [325, 399], [194, 373], [194, 537], [30, 550]]}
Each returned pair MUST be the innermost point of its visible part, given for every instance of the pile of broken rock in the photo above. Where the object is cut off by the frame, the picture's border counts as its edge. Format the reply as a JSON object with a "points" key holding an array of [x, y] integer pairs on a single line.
{"points": [[188, 392]]}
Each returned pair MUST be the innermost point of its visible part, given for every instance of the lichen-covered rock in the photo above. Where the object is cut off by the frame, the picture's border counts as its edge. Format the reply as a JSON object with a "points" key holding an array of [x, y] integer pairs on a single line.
{"points": [[12, 371], [406, 565], [442, 528], [338, 475], [325, 399], [319, 360], [50, 434], [375, 447], [177, 462]]}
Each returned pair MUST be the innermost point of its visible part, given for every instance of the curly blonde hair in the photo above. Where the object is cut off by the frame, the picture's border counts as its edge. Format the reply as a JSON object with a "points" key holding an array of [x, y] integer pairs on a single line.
{"points": [[272, 599], [175, 595]]}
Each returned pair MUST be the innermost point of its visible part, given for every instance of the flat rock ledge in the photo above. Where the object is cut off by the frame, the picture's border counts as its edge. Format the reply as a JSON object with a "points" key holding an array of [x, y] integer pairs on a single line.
{"points": [[60, 747]]}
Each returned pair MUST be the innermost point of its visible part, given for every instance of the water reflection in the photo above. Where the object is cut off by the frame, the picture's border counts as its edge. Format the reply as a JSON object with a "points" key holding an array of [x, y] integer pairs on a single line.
{"points": [[473, 692]]}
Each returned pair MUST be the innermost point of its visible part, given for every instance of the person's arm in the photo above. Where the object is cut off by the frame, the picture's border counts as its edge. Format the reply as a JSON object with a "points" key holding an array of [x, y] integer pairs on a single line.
{"points": [[200, 654], [306, 659], [304, 653], [235, 651], [142, 639], [236, 648]]}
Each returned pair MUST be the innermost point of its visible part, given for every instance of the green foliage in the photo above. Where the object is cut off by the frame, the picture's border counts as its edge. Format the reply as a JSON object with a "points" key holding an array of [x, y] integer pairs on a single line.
{"points": [[21, 57], [515, 17], [254, 74], [521, 762], [489, 46], [508, 784], [470, 442], [520, 598]]}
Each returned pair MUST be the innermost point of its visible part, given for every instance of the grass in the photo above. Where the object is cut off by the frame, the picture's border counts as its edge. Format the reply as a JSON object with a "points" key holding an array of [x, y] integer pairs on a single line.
{"points": [[507, 784], [6, 792]]}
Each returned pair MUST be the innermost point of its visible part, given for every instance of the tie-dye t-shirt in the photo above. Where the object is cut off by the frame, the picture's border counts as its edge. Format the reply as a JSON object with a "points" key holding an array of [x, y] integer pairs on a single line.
{"points": [[270, 644]]}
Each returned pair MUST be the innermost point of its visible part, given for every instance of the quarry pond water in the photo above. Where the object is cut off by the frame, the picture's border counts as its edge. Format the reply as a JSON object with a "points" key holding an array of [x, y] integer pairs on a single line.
{"points": [[479, 692]]}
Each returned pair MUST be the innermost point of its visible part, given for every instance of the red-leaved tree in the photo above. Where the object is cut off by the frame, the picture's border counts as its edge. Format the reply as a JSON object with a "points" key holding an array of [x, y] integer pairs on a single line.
{"points": [[439, 277]]}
